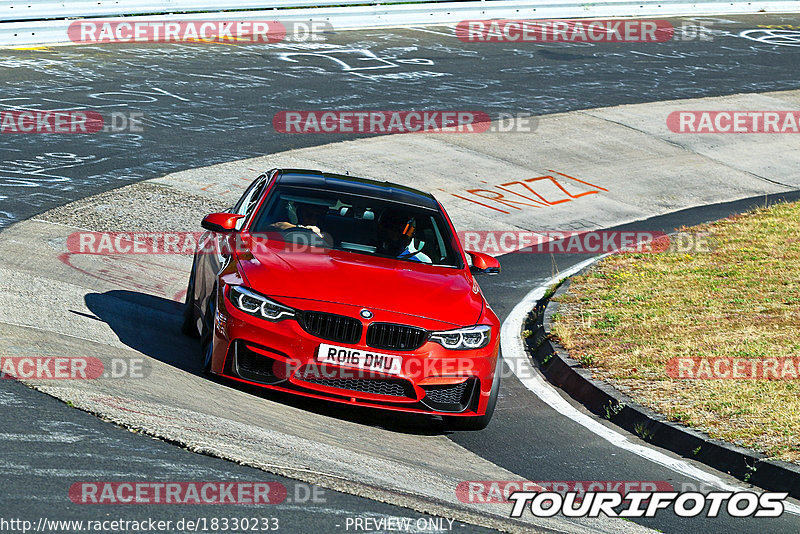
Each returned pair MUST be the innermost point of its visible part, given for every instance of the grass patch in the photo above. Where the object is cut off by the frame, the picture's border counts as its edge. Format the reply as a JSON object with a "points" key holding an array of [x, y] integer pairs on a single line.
{"points": [[631, 313]]}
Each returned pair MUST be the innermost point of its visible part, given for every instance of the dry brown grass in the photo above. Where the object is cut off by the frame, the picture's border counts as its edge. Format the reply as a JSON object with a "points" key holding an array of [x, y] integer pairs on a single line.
{"points": [[633, 312]]}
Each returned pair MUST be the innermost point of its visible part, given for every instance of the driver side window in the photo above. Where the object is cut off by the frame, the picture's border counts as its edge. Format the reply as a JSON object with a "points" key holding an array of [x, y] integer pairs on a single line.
{"points": [[250, 199]]}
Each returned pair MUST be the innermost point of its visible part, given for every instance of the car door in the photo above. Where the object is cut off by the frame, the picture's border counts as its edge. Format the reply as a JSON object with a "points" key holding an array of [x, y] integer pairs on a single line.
{"points": [[214, 253]]}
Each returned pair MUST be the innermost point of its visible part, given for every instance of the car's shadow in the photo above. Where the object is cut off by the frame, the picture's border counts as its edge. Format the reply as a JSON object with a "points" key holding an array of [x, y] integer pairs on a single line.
{"points": [[152, 325]]}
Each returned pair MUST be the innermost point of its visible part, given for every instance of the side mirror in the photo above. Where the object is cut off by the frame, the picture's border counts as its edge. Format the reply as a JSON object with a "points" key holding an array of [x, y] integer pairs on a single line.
{"points": [[221, 222], [483, 264]]}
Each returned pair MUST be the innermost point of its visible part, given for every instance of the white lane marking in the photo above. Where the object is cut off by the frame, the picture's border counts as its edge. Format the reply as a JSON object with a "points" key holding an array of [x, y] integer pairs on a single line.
{"points": [[431, 31], [516, 357]]}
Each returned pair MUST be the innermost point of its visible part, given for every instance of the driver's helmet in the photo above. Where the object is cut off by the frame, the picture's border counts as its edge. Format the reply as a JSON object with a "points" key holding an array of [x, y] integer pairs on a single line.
{"points": [[395, 231]]}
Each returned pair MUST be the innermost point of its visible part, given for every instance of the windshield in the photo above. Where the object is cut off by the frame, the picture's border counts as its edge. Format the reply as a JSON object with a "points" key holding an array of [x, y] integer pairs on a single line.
{"points": [[361, 225]]}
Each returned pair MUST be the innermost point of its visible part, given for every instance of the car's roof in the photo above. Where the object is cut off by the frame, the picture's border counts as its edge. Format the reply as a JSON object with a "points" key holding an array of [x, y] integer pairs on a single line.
{"points": [[354, 185]]}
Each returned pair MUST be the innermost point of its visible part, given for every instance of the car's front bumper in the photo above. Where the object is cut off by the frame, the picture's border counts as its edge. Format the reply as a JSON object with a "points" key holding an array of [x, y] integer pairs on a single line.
{"points": [[283, 356]]}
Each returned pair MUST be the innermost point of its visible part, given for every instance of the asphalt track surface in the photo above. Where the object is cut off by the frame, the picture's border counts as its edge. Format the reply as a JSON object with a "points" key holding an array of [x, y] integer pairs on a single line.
{"points": [[209, 103], [48, 446], [205, 104]]}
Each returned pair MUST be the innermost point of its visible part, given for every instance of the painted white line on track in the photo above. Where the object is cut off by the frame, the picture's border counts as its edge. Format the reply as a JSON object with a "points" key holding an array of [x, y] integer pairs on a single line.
{"points": [[516, 357], [431, 31]]}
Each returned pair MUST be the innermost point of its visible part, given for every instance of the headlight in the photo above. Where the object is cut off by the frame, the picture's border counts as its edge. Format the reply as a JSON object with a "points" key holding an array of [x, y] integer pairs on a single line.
{"points": [[258, 305], [474, 337]]}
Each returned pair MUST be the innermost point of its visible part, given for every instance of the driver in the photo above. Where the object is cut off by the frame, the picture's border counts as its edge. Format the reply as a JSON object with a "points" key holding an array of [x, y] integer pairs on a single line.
{"points": [[309, 216], [396, 237]]}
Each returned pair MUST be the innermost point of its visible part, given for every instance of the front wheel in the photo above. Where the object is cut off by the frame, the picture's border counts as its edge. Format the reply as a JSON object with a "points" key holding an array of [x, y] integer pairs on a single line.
{"points": [[481, 421], [207, 338], [189, 326]]}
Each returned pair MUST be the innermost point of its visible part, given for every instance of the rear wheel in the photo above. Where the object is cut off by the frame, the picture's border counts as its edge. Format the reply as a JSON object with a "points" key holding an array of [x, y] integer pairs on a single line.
{"points": [[481, 421]]}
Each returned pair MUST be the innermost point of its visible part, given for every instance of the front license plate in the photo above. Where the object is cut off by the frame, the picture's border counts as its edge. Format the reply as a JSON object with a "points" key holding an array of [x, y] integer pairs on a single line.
{"points": [[360, 359]]}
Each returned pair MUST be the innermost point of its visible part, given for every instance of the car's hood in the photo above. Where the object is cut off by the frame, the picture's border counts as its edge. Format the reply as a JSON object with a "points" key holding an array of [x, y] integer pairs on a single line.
{"points": [[440, 293]]}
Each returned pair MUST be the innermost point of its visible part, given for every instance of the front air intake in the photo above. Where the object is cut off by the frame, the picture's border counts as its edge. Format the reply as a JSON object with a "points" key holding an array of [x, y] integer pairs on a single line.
{"points": [[331, 327], [395, 336]]}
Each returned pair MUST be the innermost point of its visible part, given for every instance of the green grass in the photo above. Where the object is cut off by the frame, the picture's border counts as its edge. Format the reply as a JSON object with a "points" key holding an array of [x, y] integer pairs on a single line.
{"points": [[630, 314]]}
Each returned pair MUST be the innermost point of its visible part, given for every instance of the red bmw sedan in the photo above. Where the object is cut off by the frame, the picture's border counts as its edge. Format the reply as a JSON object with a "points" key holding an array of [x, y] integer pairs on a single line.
{"points": [[350, 290]]}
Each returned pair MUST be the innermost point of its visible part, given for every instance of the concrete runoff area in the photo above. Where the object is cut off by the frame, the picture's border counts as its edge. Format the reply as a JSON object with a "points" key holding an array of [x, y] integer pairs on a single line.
{"points": [[613, 166]]}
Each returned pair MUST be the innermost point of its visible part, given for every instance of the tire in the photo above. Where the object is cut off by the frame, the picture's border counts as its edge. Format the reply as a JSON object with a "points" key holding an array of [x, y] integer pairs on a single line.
{"points": [[207, 338], [189, 326], [481, 421]]}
